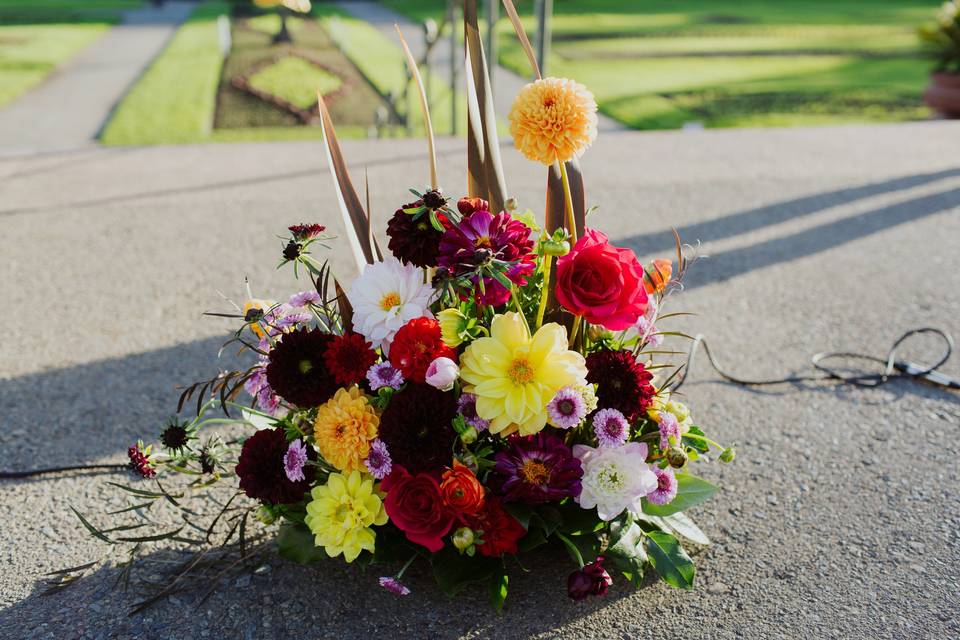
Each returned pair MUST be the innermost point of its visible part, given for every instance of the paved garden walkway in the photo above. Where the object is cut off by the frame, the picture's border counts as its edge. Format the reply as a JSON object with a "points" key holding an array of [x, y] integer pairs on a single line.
{"points": [[839, 518], [506, 84], [71, 106]]}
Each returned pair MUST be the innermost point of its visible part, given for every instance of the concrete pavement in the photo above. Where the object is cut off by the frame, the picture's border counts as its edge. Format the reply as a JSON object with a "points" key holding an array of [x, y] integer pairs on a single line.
{"points": [[839, 518], [69, 108]]}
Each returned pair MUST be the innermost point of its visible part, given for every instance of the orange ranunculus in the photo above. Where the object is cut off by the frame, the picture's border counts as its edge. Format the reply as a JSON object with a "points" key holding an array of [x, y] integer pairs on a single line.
{"points": [[658, 275], [461, 490]]}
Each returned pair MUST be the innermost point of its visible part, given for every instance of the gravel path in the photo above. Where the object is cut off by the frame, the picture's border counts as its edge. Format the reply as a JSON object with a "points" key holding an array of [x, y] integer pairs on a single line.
{"points": [[839, 518], [69, 108]]}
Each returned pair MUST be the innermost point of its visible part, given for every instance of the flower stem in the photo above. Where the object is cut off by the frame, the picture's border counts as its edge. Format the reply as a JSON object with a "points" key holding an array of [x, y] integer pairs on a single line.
{"points": [[545, 290], [568, 203], [516, 303], [573, 332], [407, 565]]}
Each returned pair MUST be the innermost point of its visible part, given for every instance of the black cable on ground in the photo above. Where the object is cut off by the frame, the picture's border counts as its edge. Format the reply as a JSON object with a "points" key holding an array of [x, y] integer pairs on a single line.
{"points": [[893, 368]]}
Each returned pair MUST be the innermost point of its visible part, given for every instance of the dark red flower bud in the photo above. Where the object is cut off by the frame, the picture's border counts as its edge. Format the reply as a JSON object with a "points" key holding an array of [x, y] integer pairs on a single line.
{"points": [[466, 206], [292, 250], [592, 580], [433, 199]]}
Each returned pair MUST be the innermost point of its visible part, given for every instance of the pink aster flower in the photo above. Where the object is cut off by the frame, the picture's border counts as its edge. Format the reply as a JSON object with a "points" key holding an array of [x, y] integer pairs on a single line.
{"points": [[378, 460], [667, 486], [567, 408], [610, 427], [394, 586], [484, 241], [669, 430], [384, 374], [304, 298], [294, 461]]}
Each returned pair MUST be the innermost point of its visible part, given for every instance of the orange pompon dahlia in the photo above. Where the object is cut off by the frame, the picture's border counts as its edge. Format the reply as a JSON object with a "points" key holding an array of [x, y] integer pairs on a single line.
{"points": [[345, 426], [553, 120], [657, 275]]}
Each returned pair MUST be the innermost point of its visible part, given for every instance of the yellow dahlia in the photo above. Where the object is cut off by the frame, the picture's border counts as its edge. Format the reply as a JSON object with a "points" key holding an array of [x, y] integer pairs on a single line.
{"points": [[553, 119], [515, 376], [344, 427], [342, 512]]}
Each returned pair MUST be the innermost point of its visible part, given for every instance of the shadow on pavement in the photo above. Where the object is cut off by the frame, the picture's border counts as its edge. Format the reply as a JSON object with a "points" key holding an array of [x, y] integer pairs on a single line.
{"points": [[271, 597], [753, 219]]}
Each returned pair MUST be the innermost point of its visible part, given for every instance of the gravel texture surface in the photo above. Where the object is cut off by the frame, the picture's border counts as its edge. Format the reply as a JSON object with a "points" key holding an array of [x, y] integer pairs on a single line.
{"points": [[839, 518]]}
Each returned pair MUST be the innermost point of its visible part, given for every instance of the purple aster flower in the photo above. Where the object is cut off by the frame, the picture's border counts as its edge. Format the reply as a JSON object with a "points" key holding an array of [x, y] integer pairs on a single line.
{"points": [[537, 469], [384, 374], [294, 461], [610, 427], [304, 298], [378, 460], [567, 408], [467, 407], [669, 428], [483, 241], [256, 381], [292, 320], [667, 486], [393, 585]]}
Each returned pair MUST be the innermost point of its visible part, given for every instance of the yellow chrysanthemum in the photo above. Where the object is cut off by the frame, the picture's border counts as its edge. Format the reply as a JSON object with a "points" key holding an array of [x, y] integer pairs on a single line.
{"points": [[515, 376], [342, 512], [344, 427], [553, 119]]}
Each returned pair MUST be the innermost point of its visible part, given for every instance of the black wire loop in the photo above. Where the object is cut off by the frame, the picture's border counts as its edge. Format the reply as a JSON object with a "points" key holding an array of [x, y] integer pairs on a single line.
{"points": [[893, 367]]}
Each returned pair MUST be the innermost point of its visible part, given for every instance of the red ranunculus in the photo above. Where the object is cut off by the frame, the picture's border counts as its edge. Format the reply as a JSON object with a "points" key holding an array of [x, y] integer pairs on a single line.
{"points": [[501, 531], [602, 283], [416, 345], [415, 505]]}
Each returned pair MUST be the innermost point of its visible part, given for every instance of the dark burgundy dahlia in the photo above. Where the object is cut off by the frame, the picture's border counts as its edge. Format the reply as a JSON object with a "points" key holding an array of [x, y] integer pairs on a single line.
{"points": [[485, 241], [413, 238], [297, 370], [537, 469], [417, 427], [261, 471], [622, 382]]}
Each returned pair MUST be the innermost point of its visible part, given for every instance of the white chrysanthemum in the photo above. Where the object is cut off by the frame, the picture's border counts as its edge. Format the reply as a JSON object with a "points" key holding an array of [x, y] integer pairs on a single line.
{"points": [[385, 297], [614, 478]]}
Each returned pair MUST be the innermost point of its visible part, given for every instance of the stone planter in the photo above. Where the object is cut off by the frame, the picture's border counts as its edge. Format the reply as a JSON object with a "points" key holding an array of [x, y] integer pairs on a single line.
{"points": [[943, 94]]}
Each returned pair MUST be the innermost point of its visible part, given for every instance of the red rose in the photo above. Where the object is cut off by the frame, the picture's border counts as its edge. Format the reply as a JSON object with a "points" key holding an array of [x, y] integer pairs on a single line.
{"points": [[501, 531], [415, 506], [416, 345], [461, 490], [602, 283]]}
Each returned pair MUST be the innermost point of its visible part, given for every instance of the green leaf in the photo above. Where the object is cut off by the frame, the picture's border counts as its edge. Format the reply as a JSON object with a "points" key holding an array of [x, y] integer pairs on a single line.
{"points": [[669, 560], [626, 549], [521, 512], [691, 491], [680, 524], [92, 529], [531, 541], [297, 543], [577, 521], [548, 518], [572, 549], [454, 572], [498, 588]]}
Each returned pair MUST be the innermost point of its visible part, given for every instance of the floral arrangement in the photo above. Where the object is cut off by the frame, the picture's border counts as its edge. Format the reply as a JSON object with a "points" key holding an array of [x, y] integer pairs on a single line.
{"points": [[488, 386], [941, 39]]}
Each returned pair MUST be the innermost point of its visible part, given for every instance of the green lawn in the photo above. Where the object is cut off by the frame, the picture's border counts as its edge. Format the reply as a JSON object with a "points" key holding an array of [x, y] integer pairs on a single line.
{"points": [[654, 64], [187, 95], [38, 35], [174, 99]]}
